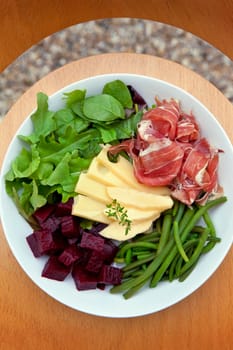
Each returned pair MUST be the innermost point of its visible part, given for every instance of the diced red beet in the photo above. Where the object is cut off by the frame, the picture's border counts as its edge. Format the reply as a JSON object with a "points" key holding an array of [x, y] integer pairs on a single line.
{"points": [[97, 228], [70, 255], [49, 242], [51, 224], [55, 270], [83, 279], [60, 242], [84, 256], [91, 241], [110, 275], [32, 242], [69, 226], [43, 213], [95, 262], [44, 240], [63, 209], [109, 251], [101, 286]]}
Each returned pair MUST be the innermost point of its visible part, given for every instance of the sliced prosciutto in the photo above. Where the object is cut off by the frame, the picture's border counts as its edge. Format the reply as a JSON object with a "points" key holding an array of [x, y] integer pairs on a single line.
{"points": [[169, 151], [159, 163]]}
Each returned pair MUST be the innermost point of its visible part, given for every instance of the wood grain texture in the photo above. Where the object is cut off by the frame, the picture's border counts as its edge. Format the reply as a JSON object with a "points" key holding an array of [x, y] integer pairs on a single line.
{"points": [[24, 23], [30, 319]]}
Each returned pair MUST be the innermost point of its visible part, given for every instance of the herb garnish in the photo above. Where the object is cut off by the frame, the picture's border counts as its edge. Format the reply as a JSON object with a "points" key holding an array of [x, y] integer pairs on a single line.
{"points": [[115, 210]]}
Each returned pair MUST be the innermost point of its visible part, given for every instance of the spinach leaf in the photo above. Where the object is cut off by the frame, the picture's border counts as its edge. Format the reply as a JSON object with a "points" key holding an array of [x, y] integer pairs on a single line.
{"points": [[120, 91], [120, 130], [104, 108]]}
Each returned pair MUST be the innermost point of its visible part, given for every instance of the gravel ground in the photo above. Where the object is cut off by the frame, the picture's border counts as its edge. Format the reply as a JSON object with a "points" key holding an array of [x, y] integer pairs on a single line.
{"points": [[114, 35]]}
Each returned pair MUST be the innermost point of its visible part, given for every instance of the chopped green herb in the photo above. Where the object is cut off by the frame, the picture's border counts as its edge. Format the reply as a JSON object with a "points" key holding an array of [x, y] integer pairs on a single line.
{"points": [[118, 212]]}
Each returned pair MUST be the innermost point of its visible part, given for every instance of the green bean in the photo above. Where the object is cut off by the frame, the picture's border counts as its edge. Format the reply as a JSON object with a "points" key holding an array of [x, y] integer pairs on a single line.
{"points": [[209, 223], [171, 273], [130, 245], [137, 263], [197, 252], [133, 290], [131, 272], [179, 212], [151, 268], [211, 244], [211, 226], [158, 225], [152, 236], [198, 229], [189, 224], [175, 208], [178, 242], [165, 231], [128, 256], [187, 245], [178, 266], [158, 263], [154, 264], [184, 275], [143, 256]]}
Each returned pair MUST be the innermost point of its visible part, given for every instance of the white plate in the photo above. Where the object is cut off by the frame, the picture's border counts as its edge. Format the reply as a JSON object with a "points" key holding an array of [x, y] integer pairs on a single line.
{"points": [[147, 301]]}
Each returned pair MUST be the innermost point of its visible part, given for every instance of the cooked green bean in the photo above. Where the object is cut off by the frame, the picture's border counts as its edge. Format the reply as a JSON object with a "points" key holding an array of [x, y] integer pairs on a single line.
{"points": [[128, 256], [197, 251], [163, 265], [184, 233], [131, 245], [165, 231], [137, 263], [187, 273], [178, 241], [133, 290], [152, 236]]}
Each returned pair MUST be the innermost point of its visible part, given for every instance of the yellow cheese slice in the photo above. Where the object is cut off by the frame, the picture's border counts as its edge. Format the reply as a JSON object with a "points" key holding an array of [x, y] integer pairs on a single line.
{"points": [[137, 199], [92, 209], [89, 208], [117, 231], [102, 174], [123, 169], [92, 188]]}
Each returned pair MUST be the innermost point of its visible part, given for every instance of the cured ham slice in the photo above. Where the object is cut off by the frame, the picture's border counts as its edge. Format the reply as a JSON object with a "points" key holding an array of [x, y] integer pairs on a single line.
{"points": [[169, 151], [164, 119], [187, 129]]}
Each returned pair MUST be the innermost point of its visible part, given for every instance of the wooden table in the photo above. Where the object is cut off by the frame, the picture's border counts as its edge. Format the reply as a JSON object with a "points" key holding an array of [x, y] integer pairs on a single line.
{"points": [[30, 319]]}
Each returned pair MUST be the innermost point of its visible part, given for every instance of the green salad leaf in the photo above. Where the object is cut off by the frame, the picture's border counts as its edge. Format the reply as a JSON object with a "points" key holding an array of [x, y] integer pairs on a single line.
{"points": [[120, 91], [63, 143]]}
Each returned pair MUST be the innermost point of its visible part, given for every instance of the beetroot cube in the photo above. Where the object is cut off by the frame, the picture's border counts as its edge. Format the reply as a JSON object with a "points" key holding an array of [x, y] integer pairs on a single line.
{"points": [[109, 251], [55, 270], [95, 262], [63, 209], [43, 213], [70, 255], [59, 242], [32, 242], [91, 241], [69, 227], [51, 224], [83, 279], [44, 240], [49, 242], [110, 275]]}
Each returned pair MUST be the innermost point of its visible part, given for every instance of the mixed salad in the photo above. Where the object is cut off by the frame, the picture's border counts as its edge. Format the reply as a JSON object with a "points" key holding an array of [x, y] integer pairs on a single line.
{"points": [[114, 189]]}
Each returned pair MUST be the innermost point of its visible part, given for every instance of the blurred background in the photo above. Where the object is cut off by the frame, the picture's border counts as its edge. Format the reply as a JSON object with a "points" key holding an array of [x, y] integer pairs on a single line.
{"points": [[114, 35]]}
